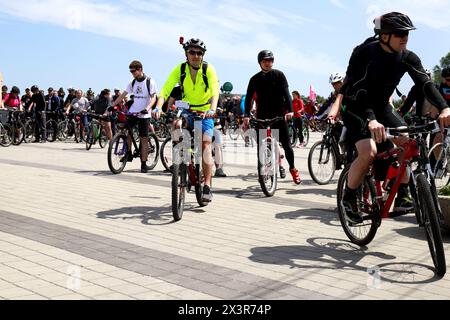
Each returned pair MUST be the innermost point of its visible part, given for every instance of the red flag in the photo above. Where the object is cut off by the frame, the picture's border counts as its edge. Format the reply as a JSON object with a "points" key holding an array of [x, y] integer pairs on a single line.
{"points": [[312, 94]]}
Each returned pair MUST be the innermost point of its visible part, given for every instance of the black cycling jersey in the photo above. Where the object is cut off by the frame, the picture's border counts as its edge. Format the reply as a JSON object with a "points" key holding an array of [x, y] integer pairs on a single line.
{"points": [[373, 74], [273, 98], [100, 104], [39, 100]]}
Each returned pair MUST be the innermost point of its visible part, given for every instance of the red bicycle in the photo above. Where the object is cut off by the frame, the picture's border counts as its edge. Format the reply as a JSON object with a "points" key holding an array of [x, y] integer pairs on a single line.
{"points": [[376, 198]]}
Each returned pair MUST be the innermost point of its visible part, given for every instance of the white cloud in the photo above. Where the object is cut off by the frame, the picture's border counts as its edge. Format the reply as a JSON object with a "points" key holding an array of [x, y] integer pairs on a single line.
{"points": [[159, 23], [338, 3], [432, 13]]}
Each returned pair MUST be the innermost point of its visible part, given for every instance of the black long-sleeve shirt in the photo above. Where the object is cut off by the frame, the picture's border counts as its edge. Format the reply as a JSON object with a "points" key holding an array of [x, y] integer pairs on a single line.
{"points": [[373, 74], [271, 92]]}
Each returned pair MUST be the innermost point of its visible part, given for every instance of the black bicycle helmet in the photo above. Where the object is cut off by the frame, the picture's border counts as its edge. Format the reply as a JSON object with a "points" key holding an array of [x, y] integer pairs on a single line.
{"points": [[194, 43], [265, 54], [393, 22], [34, 88], [15, 90], [445, 72]]}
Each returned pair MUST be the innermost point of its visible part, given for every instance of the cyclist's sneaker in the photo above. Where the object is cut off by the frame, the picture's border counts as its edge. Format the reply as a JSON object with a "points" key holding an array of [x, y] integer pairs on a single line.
{"points": [[207, 194], [350, 208], [219, 173], [403, 204], [296, 176], [128, 157], [282, 172]]}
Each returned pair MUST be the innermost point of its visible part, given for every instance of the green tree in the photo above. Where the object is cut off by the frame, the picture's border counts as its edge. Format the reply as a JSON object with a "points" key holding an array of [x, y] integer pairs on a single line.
{"points": [[445, 62]]}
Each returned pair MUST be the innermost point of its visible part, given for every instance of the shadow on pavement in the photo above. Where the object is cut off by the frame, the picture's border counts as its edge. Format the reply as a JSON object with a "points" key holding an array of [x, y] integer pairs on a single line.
{"points": [[335, 254], [419, 233], [148, 215], [328, 217]]}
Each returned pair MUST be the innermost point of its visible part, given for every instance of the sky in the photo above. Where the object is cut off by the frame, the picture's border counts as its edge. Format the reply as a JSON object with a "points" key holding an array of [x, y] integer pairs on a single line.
{"points": [[90, 43]]}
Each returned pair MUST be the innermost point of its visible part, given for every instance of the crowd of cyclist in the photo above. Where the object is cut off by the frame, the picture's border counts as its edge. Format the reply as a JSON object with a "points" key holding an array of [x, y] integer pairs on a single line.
{"points": [[362, 98]]}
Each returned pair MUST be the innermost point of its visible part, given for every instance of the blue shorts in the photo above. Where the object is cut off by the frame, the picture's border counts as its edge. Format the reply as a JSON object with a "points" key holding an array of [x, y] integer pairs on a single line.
{"points": [[207, 124]]}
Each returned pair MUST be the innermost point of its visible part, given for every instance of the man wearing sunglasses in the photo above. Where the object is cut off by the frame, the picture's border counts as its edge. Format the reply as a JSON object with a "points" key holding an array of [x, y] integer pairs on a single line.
{"points": [[375, 69], [200, 89], [144, 90]]}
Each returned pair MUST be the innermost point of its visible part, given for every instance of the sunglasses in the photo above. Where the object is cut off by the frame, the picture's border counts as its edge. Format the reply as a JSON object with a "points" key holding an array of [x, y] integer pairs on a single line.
{"points": [[401, 34], [133, 70], [195, 53]]}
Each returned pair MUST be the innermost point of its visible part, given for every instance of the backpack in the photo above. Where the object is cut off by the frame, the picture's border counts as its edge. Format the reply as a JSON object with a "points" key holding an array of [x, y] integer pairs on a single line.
{"points": [[147, 82], [183, 76]]}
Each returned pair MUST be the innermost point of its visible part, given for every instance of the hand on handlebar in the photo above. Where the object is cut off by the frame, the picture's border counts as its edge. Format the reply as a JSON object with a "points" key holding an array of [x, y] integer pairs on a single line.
{"points": [[378, 131], [444, 119], [289, 116]]}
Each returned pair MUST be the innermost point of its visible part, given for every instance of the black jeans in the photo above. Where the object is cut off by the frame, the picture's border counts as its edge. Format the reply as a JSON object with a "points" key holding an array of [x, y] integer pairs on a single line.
{"points": [[298, 124], [40, 132]]}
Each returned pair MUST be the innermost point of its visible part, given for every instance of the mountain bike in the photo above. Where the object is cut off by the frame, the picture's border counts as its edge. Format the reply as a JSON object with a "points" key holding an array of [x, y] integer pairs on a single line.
{"points": [[96, 132], [375, 199], [442, 168], [268, 155], [118, 147]]}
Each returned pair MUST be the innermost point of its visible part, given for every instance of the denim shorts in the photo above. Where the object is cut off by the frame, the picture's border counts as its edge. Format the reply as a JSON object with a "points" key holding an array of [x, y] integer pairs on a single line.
{"points": [[207, 124]]}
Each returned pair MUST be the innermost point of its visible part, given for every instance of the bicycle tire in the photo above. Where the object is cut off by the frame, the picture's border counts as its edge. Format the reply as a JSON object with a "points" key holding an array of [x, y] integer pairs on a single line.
{"points": [[431, 224], [444, 180], [5, 135], [179, 184], [324, 152], [415, 199], [90, 139], [51, 128], [361, 234], [103, 138], [17, 137], [116, 151], [29, 131], [292, 134], [305, 136], [166, 153], [267, 170], [199, 188]]}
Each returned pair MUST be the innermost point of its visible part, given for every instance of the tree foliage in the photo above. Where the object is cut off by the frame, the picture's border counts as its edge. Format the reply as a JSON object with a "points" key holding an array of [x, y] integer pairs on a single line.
{"points": [[445, 62]]}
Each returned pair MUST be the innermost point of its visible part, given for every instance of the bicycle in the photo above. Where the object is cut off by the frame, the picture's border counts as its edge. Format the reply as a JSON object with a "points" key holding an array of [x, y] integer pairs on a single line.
{"points": [[51, 127], [17, 127], [186, 172], [96, 132], [375, 199], [442, 167], [294, 133], [118, 147], [5, 130], [268, 156], [325, 156]]}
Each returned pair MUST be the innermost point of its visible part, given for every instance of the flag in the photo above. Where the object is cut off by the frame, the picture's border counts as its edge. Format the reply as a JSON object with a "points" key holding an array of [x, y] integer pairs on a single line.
{"points": [[312, 94]]}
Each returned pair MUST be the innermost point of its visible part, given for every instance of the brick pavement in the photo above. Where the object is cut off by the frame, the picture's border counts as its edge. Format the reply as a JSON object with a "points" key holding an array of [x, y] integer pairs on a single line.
{"points": [[72, 230]]}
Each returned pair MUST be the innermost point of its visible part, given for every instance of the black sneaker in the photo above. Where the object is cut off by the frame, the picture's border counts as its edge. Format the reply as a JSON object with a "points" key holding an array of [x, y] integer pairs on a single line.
{"points": [[403, 204], [144, 168], [282, 172], [207, 194], [350, 208], [219, 173], [128, 157]]}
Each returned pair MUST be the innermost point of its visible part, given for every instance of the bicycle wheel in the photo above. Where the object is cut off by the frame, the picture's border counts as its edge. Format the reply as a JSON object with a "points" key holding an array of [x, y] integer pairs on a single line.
{"points": [[103, 138], [363, 233], [199, 187], [321, 163], [117, 150], [166, 153], [179, 184], [431, 224], [29, 131], [18, 133], [267, 167], [305, 136], [5, 135], [441, 176], [90, 139], [415, 199], [233, 132], [153, 151], [292, 135], [51, 127]]}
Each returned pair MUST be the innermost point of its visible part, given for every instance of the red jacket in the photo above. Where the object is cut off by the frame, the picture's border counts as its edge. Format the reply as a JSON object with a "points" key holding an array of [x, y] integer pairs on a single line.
{"points": [[298, 107]]}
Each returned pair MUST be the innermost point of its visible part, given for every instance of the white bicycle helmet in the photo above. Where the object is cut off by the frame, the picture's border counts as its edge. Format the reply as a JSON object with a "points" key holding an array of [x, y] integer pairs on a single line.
{"points": [[336, 77]]}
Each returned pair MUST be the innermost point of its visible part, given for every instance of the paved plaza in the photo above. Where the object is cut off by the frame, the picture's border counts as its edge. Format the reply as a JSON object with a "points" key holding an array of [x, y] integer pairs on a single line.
{"points": [[72, 230]]}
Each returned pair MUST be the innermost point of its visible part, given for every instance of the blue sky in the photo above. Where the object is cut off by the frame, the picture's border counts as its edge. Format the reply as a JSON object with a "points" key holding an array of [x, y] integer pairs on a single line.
{"points": [[89, 43]]}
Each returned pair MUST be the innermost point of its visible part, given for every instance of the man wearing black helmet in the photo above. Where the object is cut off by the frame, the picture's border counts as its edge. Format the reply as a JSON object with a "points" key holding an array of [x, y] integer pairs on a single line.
{"points": [[375, 69], [200, 94], [270, 90], [38, 106]]}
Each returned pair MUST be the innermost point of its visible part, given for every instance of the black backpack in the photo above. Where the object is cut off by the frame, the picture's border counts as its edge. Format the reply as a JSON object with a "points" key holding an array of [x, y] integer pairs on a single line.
{"points": [[183, 76]]}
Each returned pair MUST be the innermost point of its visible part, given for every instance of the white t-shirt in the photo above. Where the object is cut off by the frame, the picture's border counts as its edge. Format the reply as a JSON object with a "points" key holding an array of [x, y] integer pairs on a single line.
{"points": [[81, 104], [141, 96]]}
